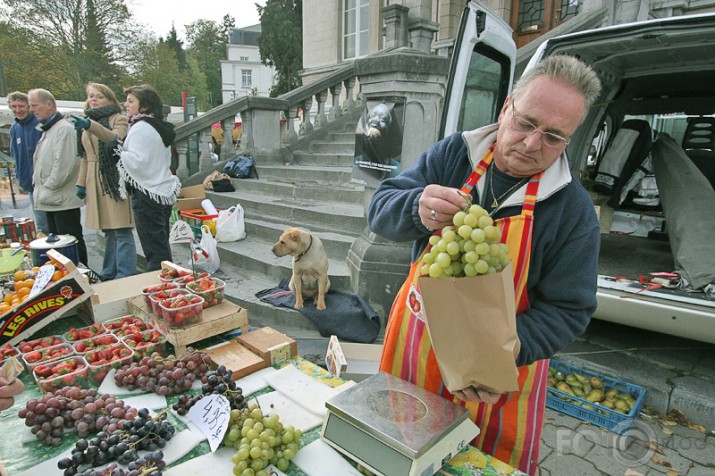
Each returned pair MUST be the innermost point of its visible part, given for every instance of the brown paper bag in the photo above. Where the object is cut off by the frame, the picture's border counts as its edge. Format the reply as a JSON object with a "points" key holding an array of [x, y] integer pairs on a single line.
{"points": [[472, 325]]}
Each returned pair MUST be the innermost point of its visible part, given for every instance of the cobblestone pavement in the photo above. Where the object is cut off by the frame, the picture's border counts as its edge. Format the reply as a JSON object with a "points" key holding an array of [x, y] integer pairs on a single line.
{"points": [[654, 446]]}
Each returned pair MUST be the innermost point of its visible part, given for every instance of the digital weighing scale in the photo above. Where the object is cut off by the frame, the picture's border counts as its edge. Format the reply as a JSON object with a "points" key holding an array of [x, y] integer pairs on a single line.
{"points": [[395, 428]]}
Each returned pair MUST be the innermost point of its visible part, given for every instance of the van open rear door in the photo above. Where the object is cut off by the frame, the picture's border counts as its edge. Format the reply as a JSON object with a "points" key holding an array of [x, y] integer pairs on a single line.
{"points": [[481, 72]]}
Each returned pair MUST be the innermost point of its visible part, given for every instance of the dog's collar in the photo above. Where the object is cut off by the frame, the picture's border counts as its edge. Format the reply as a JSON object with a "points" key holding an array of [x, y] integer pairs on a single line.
{"points": [[297, 258]]}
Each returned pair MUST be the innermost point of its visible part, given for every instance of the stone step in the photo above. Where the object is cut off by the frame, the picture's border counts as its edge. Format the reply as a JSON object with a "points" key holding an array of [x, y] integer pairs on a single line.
{"points": [[324, 173], [336, 245], [338, 144], [324, 159], [315, 215], [298, 189]]}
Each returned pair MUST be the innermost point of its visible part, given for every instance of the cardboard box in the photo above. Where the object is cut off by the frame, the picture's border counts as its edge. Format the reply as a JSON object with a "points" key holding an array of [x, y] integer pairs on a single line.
{"points": [[190, 197], [109, 299], [363, 360], [215, 320], [272, 346], [236, 358], [47, 306]]}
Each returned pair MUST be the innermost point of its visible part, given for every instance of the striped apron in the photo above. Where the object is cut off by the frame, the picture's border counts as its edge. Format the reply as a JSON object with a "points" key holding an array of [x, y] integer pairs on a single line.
{"points": [[510, 430]]}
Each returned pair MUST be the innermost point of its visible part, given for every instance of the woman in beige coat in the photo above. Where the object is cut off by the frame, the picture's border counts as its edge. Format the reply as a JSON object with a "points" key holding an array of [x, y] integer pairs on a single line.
{"points": [[98, 180]]}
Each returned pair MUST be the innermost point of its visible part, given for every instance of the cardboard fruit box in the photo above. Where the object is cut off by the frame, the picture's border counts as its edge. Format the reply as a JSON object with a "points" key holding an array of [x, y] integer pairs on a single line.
{"points": [[48, 305], [190, 197], [237, 358], [269, 344]]}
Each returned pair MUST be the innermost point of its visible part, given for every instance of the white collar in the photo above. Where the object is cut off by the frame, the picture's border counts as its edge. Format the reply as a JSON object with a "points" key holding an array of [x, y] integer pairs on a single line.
{"points": [[555, 177]]}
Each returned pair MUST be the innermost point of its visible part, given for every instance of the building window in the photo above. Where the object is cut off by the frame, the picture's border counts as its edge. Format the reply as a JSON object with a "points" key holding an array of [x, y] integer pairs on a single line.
{"points": [[355, 26], [246, 78], [243, 58]]}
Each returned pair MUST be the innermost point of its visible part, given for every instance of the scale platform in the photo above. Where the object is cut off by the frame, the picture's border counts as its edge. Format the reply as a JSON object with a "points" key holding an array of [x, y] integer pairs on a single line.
{"points": [[396, 428]]}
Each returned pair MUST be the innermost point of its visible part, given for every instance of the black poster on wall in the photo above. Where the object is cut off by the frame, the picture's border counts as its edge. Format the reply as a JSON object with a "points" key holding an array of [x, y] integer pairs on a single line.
{"points": [[378, 141]]}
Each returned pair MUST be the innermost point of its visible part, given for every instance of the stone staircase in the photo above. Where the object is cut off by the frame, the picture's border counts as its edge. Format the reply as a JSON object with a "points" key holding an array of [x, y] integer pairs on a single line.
{"points": [[314, 192]]}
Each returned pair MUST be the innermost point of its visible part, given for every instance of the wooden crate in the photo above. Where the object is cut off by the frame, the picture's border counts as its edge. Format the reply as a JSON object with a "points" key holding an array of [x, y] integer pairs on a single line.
{"points": [[215, 320]]}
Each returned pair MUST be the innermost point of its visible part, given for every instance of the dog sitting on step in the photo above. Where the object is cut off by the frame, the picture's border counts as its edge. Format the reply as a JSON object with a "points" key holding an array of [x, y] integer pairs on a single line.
{"points": [[310, 265]]}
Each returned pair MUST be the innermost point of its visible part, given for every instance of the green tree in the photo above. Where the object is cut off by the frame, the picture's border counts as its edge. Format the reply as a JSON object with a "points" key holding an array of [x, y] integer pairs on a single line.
{"points": [[161, 69], [208, 47], [85, 40], [281, 42], [195, 84], [228, 24], [177, 45]]}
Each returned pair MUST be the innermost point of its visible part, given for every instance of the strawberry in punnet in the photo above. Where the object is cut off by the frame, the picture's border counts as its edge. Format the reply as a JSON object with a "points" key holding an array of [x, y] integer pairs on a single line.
{"points": [[38, 344], [48, 354], [210, 289], [102, 341], [7, 350], [84, 332], [69, 371], [145, 343]]}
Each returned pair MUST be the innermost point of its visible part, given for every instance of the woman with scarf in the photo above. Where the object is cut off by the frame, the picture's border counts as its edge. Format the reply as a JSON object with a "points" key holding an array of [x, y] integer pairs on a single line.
{"points": [[98, 181], [144, 171]]}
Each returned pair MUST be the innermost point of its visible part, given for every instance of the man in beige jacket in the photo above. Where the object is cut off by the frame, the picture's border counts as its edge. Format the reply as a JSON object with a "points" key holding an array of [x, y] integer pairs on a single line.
{"points": [[56, 169]]}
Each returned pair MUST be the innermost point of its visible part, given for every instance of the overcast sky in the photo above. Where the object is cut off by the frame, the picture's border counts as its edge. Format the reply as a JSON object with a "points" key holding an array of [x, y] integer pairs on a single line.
{"points": [[159, 15]]}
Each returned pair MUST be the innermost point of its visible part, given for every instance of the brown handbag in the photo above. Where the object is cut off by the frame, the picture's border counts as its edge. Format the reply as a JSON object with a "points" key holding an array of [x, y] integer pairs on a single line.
{"points": [[215, 175]]}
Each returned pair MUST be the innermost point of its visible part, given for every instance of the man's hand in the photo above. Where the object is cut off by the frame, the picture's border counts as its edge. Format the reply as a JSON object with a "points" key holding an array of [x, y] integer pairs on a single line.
{"points": [[81, 192], [80, 123], [438, 205], [471, 394], [7, 392]]}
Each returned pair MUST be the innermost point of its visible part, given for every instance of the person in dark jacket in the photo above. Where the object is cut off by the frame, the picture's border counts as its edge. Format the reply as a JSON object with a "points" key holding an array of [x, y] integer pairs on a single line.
{"points": [[144, 168], [23, 140]]}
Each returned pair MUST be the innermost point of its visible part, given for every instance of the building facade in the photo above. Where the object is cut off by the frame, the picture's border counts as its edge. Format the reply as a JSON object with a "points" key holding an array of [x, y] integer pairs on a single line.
{"points": [[339, 31], [242, 73]]}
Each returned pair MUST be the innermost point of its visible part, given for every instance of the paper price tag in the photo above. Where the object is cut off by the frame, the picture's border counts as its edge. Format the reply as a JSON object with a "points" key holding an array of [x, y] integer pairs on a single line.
{"points": [[279, 353], [211, 414], [44, 275]]}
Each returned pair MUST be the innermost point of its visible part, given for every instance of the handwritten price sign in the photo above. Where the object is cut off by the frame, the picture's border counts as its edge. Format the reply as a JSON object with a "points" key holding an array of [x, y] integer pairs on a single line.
{"points": [[211, 414]]}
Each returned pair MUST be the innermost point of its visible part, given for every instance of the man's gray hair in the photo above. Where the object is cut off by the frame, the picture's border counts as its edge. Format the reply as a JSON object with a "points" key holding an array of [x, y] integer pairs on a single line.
{"points": [[43, 95], [17, 96], [568, 70]]}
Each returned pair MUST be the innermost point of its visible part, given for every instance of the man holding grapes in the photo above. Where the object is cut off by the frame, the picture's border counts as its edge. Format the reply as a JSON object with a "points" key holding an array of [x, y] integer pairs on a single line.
{"points": [[518, 172]]}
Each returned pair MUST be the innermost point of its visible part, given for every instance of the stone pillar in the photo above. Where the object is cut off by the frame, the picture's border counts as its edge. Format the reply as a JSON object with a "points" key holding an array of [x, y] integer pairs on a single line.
{"points": [[306, 127], [422, 34], [321, 119], [336, 111], [395, 25], [183, 169], [378, 267], [349, 101], [290, 134], [205, 149], [260, 133], [228, 150]]}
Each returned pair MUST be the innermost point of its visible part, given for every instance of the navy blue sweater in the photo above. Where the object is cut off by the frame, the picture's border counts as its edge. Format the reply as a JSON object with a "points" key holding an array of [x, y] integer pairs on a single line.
{"points": [[563, 272], [23, 140]]}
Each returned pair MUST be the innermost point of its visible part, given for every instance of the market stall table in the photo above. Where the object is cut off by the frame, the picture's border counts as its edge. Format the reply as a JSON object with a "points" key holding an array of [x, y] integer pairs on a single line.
{"points": [[33, 457]]}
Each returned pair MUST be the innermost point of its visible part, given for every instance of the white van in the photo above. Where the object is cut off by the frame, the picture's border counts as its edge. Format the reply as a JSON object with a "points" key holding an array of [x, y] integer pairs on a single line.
{"points": [[654, 193]]}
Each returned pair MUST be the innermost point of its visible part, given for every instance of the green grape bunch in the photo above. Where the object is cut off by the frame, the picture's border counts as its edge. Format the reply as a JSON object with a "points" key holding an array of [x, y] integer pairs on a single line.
{"points": [[471, 247]]}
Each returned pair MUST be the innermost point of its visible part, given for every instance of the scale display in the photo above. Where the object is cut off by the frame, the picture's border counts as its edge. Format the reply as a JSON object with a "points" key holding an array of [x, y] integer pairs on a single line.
{"points": [[395, 427]]}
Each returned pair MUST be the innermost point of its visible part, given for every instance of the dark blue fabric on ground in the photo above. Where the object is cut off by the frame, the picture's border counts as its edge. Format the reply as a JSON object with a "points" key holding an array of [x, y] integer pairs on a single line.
{"points": [[348, 316]]}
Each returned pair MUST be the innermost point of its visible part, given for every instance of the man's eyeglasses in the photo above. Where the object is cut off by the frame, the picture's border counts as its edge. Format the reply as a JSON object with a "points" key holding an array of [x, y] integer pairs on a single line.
{"points": [[549, 139]]}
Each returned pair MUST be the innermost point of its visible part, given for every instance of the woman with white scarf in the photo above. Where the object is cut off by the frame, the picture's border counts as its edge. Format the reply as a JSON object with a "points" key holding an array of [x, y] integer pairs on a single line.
{"points": [[144, 171]]}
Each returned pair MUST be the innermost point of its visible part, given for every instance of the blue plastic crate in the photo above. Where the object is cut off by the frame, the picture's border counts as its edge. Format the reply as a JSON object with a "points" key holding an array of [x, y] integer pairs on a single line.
{"points": [[599, 415]]}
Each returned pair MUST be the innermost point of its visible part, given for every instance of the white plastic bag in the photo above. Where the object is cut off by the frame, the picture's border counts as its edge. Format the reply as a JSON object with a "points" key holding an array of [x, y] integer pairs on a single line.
{"points": [[230, 225], [206, 253]]}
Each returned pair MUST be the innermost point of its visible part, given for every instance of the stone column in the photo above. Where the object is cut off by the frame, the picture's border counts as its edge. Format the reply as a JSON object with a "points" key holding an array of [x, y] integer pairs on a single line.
{"points": [[321, 119], [205, 148], [336, 111], [227, 148], [395, 25], [422, 34], [183, 169], [378, 267]]}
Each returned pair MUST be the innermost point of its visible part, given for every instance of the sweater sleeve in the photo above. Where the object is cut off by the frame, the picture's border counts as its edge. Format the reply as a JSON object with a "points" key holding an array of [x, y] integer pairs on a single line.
{"points": [[563, 278], [393, 211], [141, 144]]}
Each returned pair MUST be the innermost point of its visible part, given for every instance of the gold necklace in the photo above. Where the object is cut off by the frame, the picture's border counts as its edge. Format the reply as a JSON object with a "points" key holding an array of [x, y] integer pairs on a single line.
{"points": [[512, 189]]}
